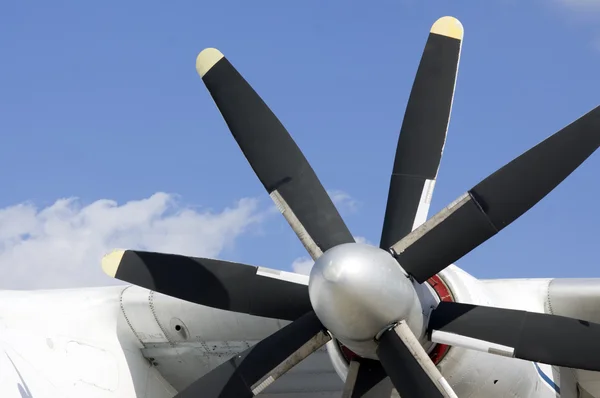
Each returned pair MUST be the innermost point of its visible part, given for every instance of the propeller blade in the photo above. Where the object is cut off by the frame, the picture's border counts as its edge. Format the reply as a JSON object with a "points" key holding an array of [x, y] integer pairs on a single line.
{"points": [[550, 339], [213, 283], [498, 200], [423, 132], [274, 156], [408, 365], [364, 380], [249, 373]]}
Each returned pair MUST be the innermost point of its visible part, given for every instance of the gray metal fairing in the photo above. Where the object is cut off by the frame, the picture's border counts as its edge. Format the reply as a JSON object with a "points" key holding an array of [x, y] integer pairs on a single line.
{"points": [[577, 298], [570, 297]]}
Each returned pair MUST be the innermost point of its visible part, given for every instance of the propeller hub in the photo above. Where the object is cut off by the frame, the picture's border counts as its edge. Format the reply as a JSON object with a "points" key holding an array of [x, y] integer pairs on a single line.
{"points": [[356, 290]]}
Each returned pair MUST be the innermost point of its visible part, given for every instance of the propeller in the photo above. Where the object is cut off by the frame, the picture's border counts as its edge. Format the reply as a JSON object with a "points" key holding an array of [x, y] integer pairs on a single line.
{"points": [[215, 283], [498, 200], [274, 156], [519, 334], [423, 134], [371, 299]]}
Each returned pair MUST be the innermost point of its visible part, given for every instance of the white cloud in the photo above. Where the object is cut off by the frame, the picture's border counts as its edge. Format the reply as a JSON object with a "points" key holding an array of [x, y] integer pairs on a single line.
{"points": [[62, 245], [303, 265], [363, 240], [343, 201]]}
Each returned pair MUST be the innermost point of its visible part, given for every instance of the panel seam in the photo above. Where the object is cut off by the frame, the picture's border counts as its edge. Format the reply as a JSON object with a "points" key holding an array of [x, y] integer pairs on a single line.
{"points": [[122, 305], [153, 310], [548, 300]]}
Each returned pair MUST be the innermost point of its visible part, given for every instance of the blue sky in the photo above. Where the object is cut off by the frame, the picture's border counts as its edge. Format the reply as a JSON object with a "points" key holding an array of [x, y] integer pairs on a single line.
{"points": [[101, 100]]}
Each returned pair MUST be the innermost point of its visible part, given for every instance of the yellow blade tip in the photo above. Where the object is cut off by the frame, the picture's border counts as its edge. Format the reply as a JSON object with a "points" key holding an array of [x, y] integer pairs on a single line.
{"points": [[448, 26], [207, 59], [110, 262]]}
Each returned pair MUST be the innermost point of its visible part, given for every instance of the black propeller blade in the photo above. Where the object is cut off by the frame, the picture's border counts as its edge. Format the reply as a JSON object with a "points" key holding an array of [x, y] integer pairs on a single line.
{"points": [[213, 283], [249, 373], [498, 200], [423, 132], [276, 159], [409, 366], [550, 339], [366, 379]]}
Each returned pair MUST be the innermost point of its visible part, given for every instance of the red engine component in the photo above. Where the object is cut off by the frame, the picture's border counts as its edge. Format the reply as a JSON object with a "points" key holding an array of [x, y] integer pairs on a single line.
{"points": [[439, 350]]}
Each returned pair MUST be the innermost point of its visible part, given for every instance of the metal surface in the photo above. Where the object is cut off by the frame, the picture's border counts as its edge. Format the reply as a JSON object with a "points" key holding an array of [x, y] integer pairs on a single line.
{"points": [[577, 298], [367, 379], [458, 340], [356, 290], [247, 374], [351, 379], [37, 325], [415, 348], [301, 354]]}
